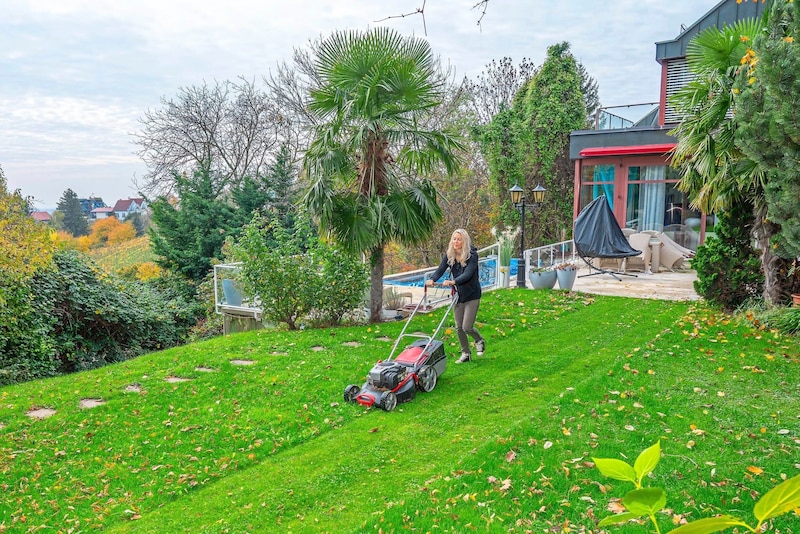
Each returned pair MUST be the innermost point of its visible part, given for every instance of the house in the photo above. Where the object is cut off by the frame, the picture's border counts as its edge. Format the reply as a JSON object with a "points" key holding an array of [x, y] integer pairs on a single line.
{"points": [[627, 159], [42, 217], [102, 213], [89, 204], [125, 208]]}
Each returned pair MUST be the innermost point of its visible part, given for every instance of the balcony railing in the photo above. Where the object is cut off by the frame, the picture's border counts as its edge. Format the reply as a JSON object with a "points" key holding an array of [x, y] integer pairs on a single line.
{"points": [[627, 116]]}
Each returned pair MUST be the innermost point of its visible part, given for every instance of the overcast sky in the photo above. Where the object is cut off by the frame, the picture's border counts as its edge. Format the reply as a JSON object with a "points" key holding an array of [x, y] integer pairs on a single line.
{"points": [[76, 75]]}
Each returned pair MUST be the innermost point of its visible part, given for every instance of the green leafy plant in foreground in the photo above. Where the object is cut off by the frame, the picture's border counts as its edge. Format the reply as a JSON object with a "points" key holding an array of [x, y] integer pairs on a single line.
{"points": [[641, 501]]}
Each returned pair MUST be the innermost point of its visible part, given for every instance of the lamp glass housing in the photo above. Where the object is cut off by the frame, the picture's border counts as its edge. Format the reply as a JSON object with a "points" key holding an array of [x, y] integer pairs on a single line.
{"points": [[538, 194], [516, 194]]}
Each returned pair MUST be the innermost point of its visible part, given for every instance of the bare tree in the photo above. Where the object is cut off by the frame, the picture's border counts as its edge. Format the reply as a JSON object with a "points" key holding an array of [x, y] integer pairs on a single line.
{"points": [[290, 85], [232, 127], [495, 87]]}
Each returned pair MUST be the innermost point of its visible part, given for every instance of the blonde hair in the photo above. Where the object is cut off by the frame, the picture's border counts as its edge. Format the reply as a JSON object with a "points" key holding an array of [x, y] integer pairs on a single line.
{"points": [[466, 248]]}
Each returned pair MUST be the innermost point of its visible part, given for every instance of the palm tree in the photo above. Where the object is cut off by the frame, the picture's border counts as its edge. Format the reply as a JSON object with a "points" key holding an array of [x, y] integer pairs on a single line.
{"points": [[369, 158], [714, 170]]}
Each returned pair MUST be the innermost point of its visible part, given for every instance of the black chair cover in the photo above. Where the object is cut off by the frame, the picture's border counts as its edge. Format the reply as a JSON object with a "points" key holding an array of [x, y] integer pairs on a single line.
{"points": [[597, 235]]}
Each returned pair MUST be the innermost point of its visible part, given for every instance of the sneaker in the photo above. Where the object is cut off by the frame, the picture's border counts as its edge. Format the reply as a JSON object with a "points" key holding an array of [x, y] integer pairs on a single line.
{"points": [[480, 347], [465, 357]]}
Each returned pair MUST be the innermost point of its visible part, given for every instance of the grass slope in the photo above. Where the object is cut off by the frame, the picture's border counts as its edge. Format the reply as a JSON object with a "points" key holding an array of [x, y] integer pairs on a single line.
{"points": [[502, 445]]}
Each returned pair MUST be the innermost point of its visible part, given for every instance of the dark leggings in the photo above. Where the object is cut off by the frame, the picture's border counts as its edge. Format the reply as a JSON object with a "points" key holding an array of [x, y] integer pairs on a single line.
{"points": [[465, 314]]}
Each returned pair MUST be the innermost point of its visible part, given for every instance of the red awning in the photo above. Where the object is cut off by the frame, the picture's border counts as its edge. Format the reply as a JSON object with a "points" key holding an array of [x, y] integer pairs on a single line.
{"points": [[626, 150]]}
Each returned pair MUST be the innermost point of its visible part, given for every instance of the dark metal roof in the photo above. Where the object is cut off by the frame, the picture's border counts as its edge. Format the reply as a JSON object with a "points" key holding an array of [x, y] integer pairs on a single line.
{"points": [[725, 13], [585, 139]]}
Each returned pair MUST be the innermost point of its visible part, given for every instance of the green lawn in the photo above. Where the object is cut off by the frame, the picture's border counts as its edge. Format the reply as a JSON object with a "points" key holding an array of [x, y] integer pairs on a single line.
{"points": [[504, 444]]}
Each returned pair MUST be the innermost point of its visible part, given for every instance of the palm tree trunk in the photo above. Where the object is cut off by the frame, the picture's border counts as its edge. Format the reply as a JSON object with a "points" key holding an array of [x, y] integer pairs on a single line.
{"points": [[376, 284], [771, 264]]}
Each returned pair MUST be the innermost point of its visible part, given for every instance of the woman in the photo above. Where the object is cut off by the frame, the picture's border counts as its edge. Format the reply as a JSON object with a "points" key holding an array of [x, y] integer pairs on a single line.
{"points": [[462, 260]]}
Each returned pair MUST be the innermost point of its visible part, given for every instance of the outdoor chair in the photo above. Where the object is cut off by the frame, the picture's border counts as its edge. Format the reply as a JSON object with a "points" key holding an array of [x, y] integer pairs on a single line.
{"points": [[641, 242]]}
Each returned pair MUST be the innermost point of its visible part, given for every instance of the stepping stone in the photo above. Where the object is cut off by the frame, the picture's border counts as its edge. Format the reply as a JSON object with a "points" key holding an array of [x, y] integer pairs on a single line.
{"points": [[91, 403], [351, 344], [277, 353], [41, 413], [174, 379], [317, 348], [384, 338], [242, 362], [133, 388], [205, 369]]}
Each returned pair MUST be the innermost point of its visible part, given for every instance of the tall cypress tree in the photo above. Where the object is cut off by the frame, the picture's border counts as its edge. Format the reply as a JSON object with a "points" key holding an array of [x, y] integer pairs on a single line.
{"points": [[769, 133], [74, 221], [283, 175], [551, 106]]}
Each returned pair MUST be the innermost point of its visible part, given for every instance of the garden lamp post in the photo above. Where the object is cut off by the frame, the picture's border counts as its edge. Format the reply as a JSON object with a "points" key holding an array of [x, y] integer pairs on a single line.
{"points": [[518, 198]]}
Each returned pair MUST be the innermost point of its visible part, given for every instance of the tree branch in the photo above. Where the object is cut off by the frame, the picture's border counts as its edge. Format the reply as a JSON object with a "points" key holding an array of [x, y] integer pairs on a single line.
{"points": [[418, 11], [481, 5]]}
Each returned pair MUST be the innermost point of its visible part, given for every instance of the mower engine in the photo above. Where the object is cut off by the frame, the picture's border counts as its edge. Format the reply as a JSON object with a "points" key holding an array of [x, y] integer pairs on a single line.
{"points": [[387, 375]]}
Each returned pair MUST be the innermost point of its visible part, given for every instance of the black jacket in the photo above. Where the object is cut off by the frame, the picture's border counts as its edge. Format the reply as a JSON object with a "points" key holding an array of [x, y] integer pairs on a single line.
{"points": [[468, 284]]}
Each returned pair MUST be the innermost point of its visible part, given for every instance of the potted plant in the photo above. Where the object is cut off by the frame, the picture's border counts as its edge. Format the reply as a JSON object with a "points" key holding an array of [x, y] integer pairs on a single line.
{"points": [[566, 273], [794, 271], [505, 251], [542, 278]]}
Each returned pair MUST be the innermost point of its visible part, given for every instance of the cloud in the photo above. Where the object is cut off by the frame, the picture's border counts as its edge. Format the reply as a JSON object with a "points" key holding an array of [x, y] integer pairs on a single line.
{"points": [[75, 75]]}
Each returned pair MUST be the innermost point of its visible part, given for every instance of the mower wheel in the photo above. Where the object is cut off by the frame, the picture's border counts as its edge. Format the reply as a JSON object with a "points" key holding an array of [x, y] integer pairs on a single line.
{"points": [[350, 392], [388, 401], [427, 378]]}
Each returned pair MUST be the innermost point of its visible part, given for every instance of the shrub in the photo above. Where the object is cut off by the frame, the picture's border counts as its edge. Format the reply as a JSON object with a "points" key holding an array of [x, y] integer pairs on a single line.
{"points": [[343, 281], [99, 319], [26, 344], [298, 275], [728, 268]]}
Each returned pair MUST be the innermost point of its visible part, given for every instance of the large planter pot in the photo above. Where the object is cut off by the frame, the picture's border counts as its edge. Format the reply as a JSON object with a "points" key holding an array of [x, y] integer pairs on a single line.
{"points": [[566, 277], [504, 277], [542, 279], [796, 300]]}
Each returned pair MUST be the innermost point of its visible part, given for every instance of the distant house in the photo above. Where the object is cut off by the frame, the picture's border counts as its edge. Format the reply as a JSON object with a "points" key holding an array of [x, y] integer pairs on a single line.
{"points": [[125, 208], [42, 217], [88, 205], [628, 160], [102, 213]]}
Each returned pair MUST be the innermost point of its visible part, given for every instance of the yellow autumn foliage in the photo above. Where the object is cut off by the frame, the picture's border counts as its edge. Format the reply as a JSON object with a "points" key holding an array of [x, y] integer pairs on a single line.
{"points": [[25, 244]]}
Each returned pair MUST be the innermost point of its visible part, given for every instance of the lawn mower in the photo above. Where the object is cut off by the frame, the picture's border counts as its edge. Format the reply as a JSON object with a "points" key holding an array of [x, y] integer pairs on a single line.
{"points": [[417, 367]]}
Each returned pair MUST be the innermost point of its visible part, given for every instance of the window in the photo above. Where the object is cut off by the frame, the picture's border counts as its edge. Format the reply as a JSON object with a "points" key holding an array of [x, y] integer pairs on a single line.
{"points": [[597, 180]]}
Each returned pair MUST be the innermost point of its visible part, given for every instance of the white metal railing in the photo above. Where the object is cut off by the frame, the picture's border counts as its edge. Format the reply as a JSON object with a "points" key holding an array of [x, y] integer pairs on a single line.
{"points": [[544, 256], [229, 299]]}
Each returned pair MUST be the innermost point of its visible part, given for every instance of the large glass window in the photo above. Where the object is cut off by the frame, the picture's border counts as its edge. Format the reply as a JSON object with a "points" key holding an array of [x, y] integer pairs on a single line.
{"points": [[597, 180], [655, 204]]}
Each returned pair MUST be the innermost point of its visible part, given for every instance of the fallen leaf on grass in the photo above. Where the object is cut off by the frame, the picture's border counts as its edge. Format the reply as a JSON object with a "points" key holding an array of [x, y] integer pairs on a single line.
{"points": [[615, 506], [755, 470]]}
